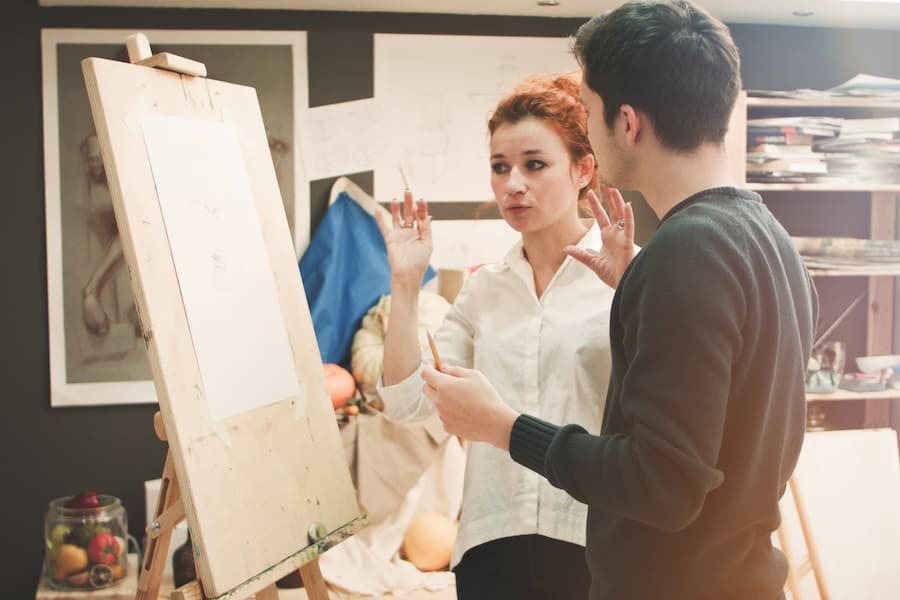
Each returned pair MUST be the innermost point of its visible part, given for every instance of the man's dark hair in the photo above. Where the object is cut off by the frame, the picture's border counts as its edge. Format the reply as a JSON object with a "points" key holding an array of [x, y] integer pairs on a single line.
{"points": [[670, 60]]}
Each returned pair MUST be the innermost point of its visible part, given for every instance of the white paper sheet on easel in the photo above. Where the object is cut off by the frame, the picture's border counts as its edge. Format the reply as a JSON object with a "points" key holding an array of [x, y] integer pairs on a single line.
{"points": [[435, 94], [226, 280]]}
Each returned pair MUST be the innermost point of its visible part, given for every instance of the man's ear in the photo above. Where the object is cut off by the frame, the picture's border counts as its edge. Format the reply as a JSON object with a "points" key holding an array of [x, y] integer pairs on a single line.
{"points": [[631, 123]]}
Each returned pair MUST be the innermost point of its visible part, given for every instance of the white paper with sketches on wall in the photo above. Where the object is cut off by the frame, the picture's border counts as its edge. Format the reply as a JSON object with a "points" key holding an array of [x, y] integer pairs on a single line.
{"points": [[435, 95], [337, 139], [466, 244]]}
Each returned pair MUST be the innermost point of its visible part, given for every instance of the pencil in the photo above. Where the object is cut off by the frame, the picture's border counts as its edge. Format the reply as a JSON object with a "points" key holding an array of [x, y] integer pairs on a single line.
{"points": [[418, 217], [434, 352], [403, 177]]}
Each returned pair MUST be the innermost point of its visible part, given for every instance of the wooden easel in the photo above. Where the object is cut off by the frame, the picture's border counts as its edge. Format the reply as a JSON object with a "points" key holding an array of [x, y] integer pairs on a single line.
{"points": [[799, 566], [216, 465], [170, 512]]}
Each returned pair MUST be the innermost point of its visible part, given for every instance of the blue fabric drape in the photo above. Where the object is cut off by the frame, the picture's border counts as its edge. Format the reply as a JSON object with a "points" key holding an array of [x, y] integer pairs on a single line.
{"points": [[345, 271]]}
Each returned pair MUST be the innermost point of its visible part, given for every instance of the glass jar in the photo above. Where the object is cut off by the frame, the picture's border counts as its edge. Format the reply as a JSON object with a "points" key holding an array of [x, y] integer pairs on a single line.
{"points": [[87, 548]]}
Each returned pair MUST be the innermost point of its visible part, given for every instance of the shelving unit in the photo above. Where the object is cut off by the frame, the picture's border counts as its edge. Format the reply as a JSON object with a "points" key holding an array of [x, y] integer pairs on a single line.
{"points": [[848, 395], [882, 200], [824, 187]]}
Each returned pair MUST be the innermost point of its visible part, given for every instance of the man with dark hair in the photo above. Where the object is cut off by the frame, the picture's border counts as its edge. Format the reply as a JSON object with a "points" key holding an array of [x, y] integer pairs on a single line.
{"points": [[671, 61], [710, 332]]}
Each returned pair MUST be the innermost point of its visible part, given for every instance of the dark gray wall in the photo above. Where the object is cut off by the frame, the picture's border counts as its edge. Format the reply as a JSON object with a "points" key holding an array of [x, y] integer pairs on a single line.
{"points": [[51, 452]]}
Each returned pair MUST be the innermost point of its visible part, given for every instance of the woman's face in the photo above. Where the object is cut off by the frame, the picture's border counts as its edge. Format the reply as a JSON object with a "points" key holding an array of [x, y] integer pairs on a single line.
{"points": [[533, 177]]}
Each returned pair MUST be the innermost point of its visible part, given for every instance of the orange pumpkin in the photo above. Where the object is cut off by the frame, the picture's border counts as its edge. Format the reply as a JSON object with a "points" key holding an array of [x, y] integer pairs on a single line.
{"points": [[340, 382], [428, 542]]}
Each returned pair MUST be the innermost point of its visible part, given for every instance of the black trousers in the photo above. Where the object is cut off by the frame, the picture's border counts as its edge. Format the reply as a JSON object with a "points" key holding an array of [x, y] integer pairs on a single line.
{"points": [[524, 567]]}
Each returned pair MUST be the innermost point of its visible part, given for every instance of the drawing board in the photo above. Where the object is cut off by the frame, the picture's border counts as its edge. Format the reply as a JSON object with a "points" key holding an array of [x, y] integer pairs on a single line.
{"points": [[232, 349]]}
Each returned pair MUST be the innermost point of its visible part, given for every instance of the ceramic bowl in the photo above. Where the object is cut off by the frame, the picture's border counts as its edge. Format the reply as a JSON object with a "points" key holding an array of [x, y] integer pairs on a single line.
{"points": [[877, 364]]}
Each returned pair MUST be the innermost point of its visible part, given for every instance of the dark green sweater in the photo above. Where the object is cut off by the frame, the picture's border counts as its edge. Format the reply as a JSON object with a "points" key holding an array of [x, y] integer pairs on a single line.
{"points": [[711, 329]]}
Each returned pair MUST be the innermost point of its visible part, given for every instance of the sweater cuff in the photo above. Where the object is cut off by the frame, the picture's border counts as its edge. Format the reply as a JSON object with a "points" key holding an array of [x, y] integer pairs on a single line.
{"points": [[529, 441]]}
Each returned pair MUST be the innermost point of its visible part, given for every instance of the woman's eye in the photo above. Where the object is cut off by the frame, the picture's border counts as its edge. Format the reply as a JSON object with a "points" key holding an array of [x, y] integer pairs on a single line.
{"points": [[499, 168], [534, 165]]}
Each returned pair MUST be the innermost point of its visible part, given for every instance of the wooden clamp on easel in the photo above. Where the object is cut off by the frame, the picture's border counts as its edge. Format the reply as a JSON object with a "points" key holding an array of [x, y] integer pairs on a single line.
{"points": [[255, 461], [170, 512], [139, 54]]}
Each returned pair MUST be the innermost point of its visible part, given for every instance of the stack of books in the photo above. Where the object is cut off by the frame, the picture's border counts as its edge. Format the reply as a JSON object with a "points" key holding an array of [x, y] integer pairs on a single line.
{"points": [[865, 150], [859, 86], [868, 86], [828, 150], [782, 149], [849, 254]]}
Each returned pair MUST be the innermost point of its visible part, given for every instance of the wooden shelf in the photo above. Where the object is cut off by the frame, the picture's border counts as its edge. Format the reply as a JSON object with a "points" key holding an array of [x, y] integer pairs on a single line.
{"points": [[860, 272], [835, 102], [825, 187], [848, 395], [882, 200]]}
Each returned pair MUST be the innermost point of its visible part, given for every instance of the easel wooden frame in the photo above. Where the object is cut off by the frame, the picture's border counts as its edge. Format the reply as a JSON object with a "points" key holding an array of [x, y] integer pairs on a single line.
{"points": [[797, 566], [267, 490], [170, 512]]}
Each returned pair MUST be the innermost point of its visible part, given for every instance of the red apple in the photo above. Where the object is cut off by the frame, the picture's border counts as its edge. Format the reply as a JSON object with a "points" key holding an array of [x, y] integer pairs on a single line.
{"points": [[86, 499]]}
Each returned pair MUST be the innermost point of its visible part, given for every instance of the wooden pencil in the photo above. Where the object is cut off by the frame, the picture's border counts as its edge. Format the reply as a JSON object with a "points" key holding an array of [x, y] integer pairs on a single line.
{"points": [[434, 352], [403, 177]]}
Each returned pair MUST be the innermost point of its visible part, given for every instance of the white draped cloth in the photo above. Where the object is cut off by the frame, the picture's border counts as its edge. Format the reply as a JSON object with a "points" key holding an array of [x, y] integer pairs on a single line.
{"points": [[401, 471]]}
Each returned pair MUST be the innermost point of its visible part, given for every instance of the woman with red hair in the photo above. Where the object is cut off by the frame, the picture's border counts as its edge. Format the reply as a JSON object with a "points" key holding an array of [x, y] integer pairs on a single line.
{"points": [[536, 325]]}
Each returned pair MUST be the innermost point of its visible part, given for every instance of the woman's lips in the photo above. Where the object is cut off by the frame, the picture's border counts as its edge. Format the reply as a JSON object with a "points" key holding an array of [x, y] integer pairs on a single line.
{"points": [[517, 209]]}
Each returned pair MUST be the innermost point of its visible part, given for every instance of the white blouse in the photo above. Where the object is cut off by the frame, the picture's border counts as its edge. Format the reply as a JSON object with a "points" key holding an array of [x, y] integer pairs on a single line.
{"points": [[548, 357]]}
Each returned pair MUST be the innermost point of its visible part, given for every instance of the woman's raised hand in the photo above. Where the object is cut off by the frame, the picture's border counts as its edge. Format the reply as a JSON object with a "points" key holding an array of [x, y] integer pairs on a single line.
{"points": [[617, 232], [407, 236]]}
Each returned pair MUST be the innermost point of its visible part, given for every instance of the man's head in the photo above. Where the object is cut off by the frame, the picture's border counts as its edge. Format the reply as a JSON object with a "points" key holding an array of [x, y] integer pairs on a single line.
{"points": [[667, 59]]}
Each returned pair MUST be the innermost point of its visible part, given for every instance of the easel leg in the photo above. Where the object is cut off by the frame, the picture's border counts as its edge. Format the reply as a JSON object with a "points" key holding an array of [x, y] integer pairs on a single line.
{"points": [[268, 593], [812, 551], [154, 559], [189, 591], [792, 583], [313, 580]]}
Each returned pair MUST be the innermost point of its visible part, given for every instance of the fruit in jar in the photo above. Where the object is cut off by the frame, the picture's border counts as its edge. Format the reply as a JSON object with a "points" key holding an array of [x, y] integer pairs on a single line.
{"points": [[69, 559], [78, 579], [100, 575], [85, 499], [58, 534], [82, 535], [103, 549], [57, 538]]}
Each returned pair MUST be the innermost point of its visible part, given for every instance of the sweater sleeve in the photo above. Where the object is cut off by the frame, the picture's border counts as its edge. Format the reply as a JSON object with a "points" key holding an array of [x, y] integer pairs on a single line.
{"points": [[529, 441], [680, 329]]}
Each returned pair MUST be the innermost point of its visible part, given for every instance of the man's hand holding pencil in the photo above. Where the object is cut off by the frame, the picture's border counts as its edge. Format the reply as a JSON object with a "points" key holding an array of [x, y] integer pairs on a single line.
{"points": [[468, 405]]}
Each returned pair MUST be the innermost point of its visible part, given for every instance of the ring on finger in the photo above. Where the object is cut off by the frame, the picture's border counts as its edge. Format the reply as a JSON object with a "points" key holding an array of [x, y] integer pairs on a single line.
{"points": [[620, 224]]}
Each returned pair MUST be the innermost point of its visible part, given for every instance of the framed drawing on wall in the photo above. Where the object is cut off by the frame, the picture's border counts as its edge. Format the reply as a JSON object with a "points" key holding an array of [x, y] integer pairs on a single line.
{"points": [[97, 353]]}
